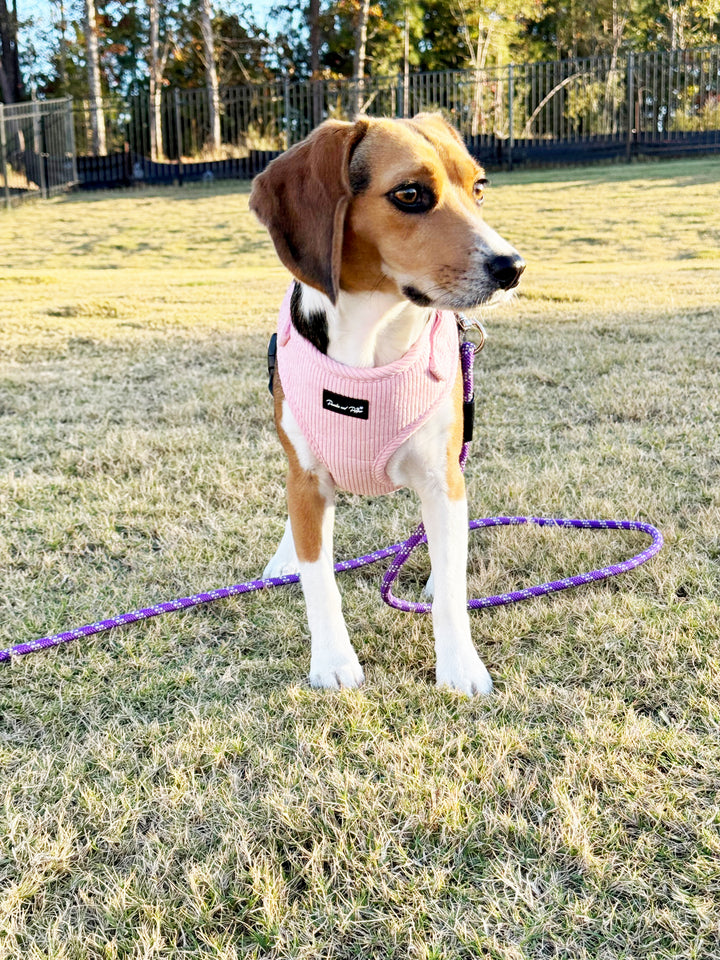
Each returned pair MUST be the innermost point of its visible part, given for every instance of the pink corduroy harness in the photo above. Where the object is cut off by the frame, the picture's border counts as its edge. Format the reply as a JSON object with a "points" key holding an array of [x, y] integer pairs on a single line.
{"points": [[355, 418]]}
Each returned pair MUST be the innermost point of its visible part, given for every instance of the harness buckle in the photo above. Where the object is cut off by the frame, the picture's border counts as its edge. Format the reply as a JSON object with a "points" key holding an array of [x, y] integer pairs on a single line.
{"points": [[465, 324]]}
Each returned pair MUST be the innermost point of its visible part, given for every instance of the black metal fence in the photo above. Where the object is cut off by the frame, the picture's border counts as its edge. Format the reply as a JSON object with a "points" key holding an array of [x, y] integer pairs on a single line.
{"points": [[37, 150], [554, 112], [549, 113]]}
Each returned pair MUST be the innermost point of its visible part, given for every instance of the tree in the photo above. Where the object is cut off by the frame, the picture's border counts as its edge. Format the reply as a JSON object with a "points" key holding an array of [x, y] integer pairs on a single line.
{"points": [[157, 59], [12, 88], [689, 22], [488, 35], [211, 80], [314, 25], [62, 54], [315, 37], [360, 51], [97, 115]]}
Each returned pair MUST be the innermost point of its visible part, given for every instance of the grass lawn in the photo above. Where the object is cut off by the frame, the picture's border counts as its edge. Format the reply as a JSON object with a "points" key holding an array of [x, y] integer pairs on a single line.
{"points": [[176, 789]]}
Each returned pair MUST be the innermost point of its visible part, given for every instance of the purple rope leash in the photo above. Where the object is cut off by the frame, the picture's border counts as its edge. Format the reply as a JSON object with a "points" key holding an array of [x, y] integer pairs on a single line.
{"points": [[399, 551], [467, 353], [540, 590]]}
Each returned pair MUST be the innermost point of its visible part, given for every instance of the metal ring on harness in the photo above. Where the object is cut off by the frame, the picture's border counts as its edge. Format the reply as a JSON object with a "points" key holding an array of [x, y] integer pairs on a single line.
{"points": [[466, 324]]}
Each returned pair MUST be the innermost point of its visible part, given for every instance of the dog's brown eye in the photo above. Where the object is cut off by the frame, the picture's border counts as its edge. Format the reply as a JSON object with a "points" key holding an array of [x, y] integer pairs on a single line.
{"points": [[479, 191], [407, 195], [412, 198]]}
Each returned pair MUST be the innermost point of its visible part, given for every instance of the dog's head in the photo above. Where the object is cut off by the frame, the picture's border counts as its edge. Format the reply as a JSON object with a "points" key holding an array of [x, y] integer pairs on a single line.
{"points": [[392, 205]]}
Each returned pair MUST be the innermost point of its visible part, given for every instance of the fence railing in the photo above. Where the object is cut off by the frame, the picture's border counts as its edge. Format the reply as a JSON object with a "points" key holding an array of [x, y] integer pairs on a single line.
{"points": [[37, 149], [554, 112], [631, 99]]}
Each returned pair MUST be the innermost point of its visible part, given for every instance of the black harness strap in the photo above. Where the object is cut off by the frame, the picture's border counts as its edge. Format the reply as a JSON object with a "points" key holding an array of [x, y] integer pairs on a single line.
{"points": [[272, 360]]}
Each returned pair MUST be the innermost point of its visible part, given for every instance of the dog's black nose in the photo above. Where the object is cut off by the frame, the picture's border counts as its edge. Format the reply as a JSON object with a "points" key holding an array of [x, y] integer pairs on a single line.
{"points": [[507, 270]]}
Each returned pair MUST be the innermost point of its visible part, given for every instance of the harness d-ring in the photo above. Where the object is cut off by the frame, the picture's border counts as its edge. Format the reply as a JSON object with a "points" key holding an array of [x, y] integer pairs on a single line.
{"points": [[470, 323]]}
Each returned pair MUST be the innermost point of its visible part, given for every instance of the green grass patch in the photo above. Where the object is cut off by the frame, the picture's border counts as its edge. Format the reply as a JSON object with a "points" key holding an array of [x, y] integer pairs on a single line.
{"points": [[176, 789]]}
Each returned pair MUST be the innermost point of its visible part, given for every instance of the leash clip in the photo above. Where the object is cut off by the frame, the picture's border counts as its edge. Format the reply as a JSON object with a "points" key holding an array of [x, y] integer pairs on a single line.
{"points": [[466, 324]]}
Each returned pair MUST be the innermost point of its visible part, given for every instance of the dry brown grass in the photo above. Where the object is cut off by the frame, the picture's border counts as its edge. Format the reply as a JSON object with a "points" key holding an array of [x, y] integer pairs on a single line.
{"points": [[176, 789]]}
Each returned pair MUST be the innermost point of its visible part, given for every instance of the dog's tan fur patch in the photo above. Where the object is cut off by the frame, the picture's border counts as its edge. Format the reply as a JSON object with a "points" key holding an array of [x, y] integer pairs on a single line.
{"points": [[306, 505]]}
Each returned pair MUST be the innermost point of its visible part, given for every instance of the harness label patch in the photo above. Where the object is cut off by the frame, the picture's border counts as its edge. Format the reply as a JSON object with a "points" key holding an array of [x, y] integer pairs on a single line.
{"points": [[347, 406]]}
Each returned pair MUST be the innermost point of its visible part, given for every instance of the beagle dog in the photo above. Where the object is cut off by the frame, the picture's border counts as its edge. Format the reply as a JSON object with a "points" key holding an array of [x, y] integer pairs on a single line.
{"points": [[379, 222]]}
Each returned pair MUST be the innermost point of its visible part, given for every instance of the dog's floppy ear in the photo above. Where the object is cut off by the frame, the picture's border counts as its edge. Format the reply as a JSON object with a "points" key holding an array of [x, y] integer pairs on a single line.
{"points": [[302, 199]]}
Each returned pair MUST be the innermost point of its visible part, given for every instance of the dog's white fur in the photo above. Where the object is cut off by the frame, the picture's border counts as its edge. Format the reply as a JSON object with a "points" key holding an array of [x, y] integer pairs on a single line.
{"points": [[361, 336], [371, 329]]}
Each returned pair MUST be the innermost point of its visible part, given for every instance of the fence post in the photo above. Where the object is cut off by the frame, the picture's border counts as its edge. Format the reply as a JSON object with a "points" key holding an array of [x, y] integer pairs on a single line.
{"points": [[511, 136], [3, 156], [630, 94], [286, 110], [38, 146], [70, 148], [178, 136]]}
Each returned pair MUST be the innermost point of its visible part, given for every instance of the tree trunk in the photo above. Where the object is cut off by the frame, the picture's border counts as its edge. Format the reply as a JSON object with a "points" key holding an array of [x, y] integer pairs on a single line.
{"points": [[478, 58], [406, 63], [97, 115], [157, 148], [12, 87], [211, 83], [610, 108], [359, 58], [5, 91], [63, 66], [314, 24]]}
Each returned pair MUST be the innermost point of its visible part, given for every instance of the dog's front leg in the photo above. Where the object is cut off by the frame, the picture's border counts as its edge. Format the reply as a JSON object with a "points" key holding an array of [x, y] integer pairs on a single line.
{"points": [[429, 464], [308, 540], [333, 662], [458, 664]]}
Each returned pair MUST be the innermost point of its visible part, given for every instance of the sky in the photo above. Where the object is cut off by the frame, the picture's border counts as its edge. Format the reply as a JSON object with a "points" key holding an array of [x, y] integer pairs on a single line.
{"points": [[39, 13], [43, 13]]}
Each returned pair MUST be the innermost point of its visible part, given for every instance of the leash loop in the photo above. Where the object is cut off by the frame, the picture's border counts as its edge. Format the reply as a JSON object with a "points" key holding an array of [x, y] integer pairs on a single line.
{"points": [[540, 590]]}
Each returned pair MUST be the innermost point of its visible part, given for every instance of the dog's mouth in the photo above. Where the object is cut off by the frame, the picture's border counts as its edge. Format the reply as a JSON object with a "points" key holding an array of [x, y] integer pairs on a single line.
{"points": [[496, 299], [417, 297], [463, 299], [495, 283]]}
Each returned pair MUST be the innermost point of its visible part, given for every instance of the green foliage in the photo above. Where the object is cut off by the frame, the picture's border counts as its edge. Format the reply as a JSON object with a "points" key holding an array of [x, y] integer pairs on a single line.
{"points": [[706, 118], [246, 52], [458, 35], [570, 28], [591, 105]]}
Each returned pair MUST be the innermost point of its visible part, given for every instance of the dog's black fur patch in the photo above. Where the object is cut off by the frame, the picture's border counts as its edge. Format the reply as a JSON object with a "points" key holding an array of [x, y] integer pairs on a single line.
{"points": [[359, 176], [312, 326], [417, 297]]}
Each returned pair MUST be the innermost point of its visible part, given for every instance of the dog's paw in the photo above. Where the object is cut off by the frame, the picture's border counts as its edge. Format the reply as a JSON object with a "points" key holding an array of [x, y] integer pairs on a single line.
{"points": [[336, 670], [429, 588], [464, 672], [281, 567], [284, 562]]}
